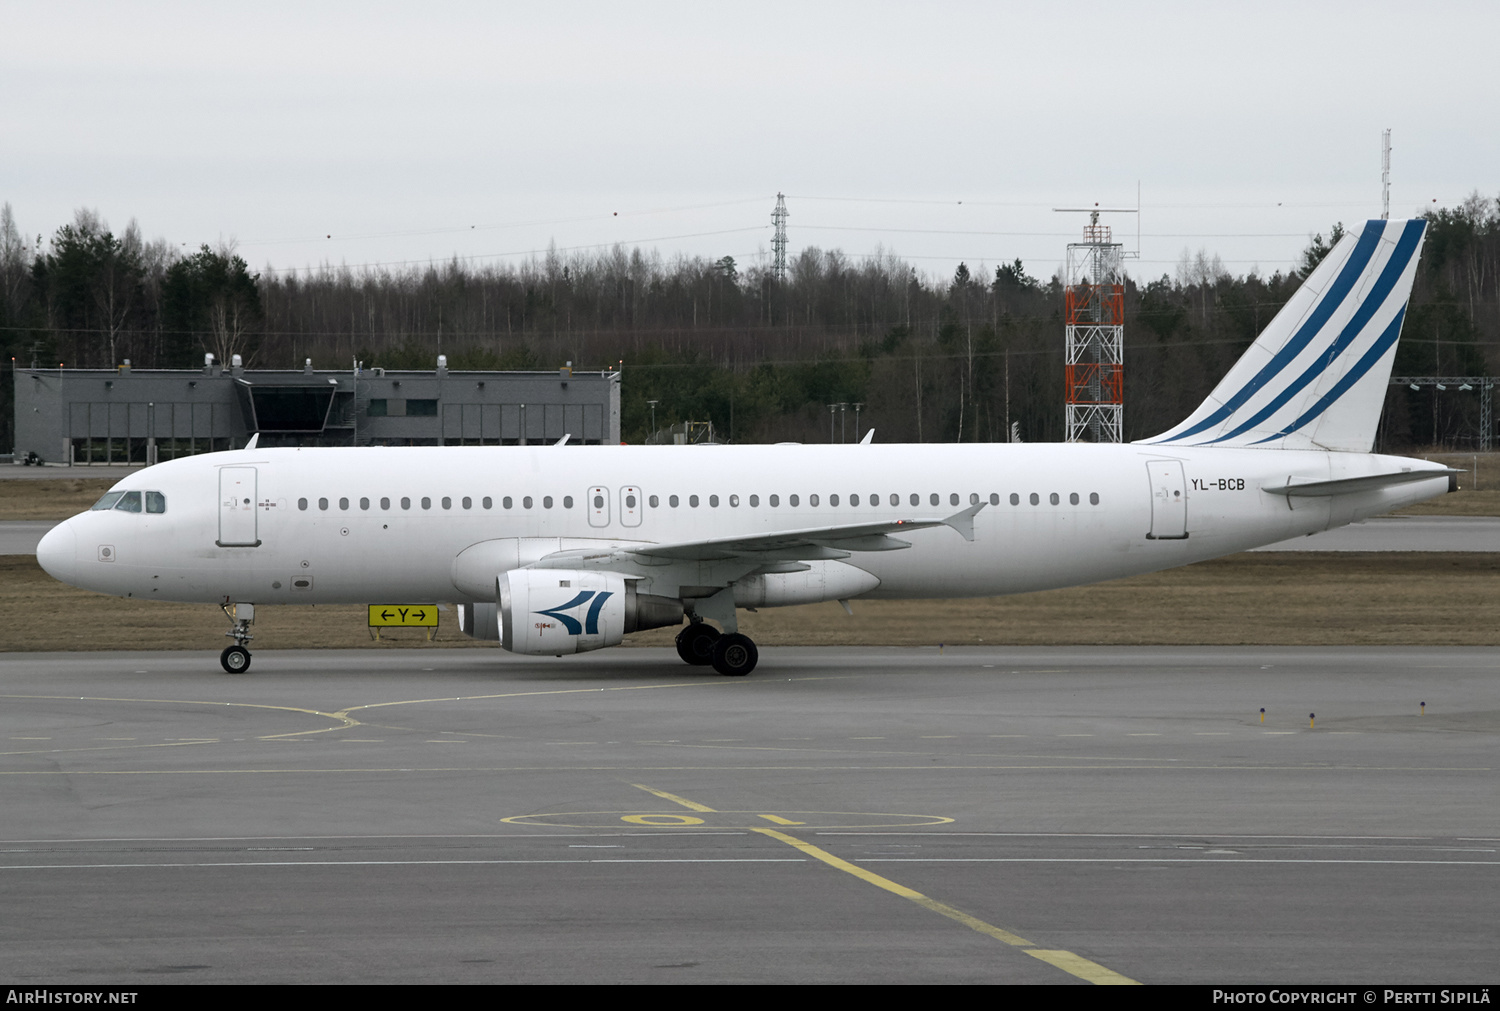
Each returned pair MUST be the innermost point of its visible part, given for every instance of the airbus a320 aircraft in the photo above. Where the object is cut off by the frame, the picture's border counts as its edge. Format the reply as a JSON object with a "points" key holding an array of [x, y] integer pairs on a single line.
{"points": [[562, 550]]}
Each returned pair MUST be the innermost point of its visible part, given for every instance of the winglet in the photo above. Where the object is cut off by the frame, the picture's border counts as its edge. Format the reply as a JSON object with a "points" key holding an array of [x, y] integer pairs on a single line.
{"points": [[868, 436], [963, 521]]}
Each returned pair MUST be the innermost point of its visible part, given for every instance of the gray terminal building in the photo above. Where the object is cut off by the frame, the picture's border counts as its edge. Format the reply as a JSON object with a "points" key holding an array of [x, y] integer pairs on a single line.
{"points": [[82, 417]]}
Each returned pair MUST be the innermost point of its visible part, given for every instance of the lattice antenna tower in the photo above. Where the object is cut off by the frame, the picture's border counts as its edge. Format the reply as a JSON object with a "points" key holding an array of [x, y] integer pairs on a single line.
{"points": [[1385, 175], [1094, 332], [778, 241]]}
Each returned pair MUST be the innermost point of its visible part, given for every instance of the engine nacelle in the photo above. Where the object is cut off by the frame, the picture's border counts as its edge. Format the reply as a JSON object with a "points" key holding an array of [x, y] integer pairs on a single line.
{"points": [[555, 611], [480, 620], [814, 582]]}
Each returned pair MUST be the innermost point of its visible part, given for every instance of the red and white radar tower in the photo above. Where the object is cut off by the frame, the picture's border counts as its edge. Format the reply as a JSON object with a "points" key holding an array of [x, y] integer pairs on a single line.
{"points": [[1094, 318]]}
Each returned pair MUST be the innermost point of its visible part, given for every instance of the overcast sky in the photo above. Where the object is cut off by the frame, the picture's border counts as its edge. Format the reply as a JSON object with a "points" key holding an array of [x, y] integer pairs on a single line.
{"points": [[368, 133]]}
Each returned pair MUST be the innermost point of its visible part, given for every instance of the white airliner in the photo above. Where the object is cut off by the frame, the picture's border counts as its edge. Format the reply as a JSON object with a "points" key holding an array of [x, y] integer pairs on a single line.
{"points": [[557, 550]]}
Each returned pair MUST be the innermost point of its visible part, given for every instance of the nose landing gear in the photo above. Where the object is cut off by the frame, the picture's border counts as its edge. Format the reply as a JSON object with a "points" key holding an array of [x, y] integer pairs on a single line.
{"points": [[236, 659]]}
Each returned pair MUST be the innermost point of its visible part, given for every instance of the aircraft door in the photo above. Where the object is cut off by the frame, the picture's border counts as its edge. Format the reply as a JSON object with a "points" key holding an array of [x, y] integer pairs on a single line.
{"points": [[237, 498], [630, 506], [598, 506], [1168, 500]]}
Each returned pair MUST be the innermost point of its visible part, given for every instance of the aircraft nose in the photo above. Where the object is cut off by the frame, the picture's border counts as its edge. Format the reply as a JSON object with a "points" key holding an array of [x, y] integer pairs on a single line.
{"points": [[57, 553]]}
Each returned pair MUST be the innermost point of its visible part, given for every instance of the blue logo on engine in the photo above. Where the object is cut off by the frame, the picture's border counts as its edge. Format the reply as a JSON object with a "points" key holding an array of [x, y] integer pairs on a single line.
{"points": [[590, 622]]}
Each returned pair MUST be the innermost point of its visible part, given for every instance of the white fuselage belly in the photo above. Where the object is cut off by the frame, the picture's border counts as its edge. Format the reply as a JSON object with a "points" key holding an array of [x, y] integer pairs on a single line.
{"points": [[393, 554]]}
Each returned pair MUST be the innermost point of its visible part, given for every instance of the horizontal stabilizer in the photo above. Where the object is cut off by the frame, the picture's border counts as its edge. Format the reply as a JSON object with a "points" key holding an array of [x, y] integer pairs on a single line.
{"points": [[1370, 482]]}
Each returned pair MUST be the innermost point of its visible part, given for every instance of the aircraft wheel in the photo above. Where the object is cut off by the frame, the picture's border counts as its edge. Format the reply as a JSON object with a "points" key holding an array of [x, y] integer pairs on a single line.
{"points": [[695, 644], [735, 655], [235, 659]]}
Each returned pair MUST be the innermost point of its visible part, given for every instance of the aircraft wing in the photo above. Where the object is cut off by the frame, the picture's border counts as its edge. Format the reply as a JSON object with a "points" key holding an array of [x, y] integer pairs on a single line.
{"points": [[807, 544]]}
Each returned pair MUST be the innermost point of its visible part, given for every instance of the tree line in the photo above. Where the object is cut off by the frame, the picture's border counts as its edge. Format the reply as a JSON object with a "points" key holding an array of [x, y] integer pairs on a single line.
{"points": [[920, 358]]}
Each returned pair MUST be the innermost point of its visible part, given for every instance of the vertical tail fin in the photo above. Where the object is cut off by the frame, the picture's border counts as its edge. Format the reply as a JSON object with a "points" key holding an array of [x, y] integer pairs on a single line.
{"points": [[1316, 376]]}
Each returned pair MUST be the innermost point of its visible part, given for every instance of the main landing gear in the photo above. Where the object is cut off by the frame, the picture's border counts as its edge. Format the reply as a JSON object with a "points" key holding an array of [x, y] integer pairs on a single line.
{"points": [[236, 659], [731, 654]]}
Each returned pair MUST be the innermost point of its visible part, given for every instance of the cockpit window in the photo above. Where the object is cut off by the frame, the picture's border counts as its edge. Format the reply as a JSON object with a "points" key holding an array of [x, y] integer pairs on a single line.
{"points": [[130, 502], [156, 502], [108, 501]]}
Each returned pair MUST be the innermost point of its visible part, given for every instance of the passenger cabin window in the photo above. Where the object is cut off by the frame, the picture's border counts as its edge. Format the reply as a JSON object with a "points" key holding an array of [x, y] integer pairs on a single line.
{"points": [[568, 502], [672, 501], [364, 503], [302, 504], [323, 504], [487, 502], [405, 502], [467, 502], [1015, 499]]}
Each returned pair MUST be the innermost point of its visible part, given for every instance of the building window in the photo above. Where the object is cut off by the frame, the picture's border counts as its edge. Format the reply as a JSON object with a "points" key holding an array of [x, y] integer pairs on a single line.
{"points": [[377, 409], [421, 408]]}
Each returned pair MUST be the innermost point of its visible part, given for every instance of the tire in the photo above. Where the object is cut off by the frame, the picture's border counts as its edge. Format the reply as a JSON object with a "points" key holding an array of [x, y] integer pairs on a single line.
{"points": [[235, 659], [735, 655], [695, 644]]}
